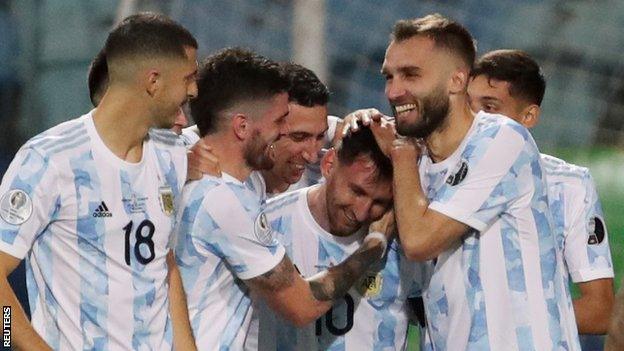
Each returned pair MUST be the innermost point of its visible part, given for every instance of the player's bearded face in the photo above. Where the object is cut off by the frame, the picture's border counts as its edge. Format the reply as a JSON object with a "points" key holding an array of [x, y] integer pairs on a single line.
{"points": [[427, 115], [256, 152]]}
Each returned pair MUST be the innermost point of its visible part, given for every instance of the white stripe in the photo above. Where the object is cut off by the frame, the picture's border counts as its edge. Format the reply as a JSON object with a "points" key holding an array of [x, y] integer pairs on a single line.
{"points": [[533, 279], [455, 289], [500, 313]]}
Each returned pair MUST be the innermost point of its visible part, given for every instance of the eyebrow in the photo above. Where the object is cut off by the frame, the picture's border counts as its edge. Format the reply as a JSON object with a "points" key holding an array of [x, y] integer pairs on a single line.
{"points": [[403, 69]]}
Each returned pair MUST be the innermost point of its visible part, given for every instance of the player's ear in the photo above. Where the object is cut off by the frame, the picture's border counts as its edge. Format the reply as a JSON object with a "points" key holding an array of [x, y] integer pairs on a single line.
{"points": [[530, 116], [459, 81], [327, 163], [240, 125], [153, 82]]}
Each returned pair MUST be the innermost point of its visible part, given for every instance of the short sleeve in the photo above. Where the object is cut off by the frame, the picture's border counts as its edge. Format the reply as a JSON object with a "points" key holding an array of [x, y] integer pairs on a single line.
{"points": [[498, 166], [236, 232], [586, 249], [29, 199]]}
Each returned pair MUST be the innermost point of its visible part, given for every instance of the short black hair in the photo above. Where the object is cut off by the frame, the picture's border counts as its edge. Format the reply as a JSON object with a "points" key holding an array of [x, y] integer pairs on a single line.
{"points": [[445, 32], [363, 143], [230, 76], [304, 87], [98, 78], [148, 35], [516, 67]]}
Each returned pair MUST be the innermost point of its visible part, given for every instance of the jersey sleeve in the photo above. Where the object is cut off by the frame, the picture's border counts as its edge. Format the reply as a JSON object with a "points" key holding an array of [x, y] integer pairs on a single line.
{"points": [[586, 249], [29, 201], [235, 232], [498, 166]]}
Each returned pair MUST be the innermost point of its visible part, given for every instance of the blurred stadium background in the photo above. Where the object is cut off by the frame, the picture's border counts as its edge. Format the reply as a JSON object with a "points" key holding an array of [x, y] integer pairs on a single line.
{"points": [[46, 47]]}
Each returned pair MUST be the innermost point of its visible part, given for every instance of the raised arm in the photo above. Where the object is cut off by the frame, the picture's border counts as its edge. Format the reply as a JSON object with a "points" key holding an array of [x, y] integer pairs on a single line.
{"points": [[301, 301]]}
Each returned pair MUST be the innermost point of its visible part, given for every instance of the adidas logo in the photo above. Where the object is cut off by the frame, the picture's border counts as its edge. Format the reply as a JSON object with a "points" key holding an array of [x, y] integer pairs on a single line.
{"points": [[102, 211]]}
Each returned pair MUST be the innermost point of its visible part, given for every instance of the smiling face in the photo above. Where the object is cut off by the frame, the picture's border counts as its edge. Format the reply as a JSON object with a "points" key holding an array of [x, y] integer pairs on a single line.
{"points": [[178, 86], [356, 194], [306, 132], [266, 129], [416, 74]]}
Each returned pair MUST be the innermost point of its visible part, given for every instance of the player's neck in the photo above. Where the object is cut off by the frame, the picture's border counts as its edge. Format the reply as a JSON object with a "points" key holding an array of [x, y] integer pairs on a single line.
{"points": [[122, 123], [274, 184], [317, 199], [443, 142], [230, 155]]}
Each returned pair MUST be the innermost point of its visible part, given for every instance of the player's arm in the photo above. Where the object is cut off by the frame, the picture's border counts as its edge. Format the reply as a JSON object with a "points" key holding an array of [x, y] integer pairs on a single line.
{"points": [[615, 338], [424, 232], [182, 332], [301, 301], [593, 308], [24, 336]]}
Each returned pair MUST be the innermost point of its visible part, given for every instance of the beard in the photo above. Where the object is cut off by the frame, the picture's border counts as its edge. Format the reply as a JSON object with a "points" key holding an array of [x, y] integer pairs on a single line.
{"points": [[255, 153], [432, 110]]}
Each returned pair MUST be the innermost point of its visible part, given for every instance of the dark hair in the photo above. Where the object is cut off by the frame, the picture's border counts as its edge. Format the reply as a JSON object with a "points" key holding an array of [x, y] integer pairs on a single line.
{"points": [[148, 35], [445, 32], [363, 143], [231, 76], [516, 67], [98, 78], [304, 87]]}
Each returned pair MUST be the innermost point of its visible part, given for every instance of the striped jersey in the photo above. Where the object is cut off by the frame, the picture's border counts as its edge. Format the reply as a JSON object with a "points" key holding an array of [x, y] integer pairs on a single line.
{"points": [[579, 221], [95, 231], [500, 286], [373, 315], [222, 238]]}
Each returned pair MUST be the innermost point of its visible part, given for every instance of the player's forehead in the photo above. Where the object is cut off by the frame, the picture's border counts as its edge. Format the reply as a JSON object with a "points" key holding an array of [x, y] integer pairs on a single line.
{"points": [[364, 173], [419, 51], [483, 86], [304, 119]]}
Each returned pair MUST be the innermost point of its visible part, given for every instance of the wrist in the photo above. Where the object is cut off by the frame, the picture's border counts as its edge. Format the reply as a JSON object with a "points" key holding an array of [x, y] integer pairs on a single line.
{"points": [[379, 237]]}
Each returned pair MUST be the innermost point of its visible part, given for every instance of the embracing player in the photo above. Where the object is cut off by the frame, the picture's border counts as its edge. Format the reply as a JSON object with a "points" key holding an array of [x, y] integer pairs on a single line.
{"points": [[225, 248], [90, 204]]}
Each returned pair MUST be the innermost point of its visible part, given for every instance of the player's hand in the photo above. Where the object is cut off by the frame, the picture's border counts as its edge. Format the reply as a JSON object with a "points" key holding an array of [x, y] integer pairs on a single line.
{"points": [[364, 116], [385, 134], [201, 160], [385, 225]]}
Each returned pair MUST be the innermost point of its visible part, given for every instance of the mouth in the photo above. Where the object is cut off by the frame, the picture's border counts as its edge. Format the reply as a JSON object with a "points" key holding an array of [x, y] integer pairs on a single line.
{"points": [[402, 110]]}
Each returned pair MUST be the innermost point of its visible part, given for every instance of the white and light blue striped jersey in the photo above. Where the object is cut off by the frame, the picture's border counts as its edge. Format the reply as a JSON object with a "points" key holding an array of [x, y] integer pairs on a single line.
{"points": [[222, 238], [373, 315], [95, 231], [500, 286], [579, 221]]}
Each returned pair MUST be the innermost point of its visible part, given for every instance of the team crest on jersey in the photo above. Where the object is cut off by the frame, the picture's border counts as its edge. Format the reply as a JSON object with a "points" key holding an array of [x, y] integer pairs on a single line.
{"points": [[15, 207], [263, 230], [371, 285], [166, 200], [596, 231], [458, 177]]}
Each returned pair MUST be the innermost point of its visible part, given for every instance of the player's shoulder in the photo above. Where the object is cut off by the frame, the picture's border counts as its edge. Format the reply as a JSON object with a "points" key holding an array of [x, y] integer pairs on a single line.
{"points": [[281, 202], [561, 170], [165, 138], [67, 136], [489, 125]]}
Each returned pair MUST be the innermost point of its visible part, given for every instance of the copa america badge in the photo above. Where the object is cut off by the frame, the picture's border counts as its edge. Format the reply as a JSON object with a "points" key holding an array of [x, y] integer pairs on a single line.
{"points": [[15, 207], [262, 230]]}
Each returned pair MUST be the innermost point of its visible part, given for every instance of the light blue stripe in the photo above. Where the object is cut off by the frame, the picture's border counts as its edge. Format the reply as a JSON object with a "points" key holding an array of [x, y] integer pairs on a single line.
{"points": [[92, 261], [70, 146], [51, 141]]}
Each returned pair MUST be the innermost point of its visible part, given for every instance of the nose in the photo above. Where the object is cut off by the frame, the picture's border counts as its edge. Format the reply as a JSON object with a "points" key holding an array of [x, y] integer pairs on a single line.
{"points": [[361, 210], [192, 90], [284, 128], [181, 119], [311, 150], [394, 89]]}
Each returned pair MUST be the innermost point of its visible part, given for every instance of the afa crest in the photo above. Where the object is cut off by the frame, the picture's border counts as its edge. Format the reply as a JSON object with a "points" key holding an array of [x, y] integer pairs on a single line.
{"points": [[371, 285], [166, 200]]}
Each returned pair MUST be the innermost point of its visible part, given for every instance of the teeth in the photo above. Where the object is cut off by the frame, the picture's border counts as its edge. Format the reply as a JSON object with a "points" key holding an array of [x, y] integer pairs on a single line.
{"points": [[403, 108]]}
